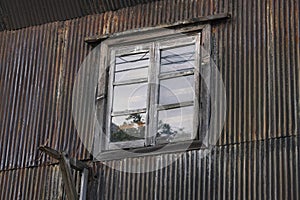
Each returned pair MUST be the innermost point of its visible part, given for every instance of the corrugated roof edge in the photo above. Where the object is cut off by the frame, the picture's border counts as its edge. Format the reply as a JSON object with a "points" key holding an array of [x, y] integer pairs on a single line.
{"points": [[25, 13]]}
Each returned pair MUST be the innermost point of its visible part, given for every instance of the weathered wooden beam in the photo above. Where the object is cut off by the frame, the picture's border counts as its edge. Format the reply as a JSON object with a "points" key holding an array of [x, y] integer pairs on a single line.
{"points": [[78, 165], [65, 165], [51, 152], [74, 163], [180, 24], [65, 168], [84, 181]]}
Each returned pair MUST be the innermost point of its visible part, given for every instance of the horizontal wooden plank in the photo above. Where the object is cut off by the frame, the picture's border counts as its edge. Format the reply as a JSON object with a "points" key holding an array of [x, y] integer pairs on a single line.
{"points": [[183, 26]]}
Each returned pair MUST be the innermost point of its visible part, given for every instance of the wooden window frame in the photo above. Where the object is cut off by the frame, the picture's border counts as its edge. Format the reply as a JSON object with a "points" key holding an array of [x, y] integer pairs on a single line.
{"points": [[104, 94]]}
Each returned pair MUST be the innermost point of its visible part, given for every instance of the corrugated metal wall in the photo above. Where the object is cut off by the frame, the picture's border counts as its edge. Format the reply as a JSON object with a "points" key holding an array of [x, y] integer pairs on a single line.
{"points": [[258, 54], [257, 170], [44, 182], [31, 183], [15, 14], [36, 84]]}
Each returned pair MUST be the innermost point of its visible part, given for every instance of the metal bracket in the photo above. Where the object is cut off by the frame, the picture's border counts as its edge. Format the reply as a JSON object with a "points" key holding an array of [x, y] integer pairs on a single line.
{"points": [[65, 165]]}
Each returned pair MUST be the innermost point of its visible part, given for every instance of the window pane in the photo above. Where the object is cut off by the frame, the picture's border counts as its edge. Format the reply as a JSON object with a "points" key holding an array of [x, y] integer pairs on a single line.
{"points": [[131, 74], [177, 59], [126, 128], [130, 97], [132, 61], [176, 90], [175, 124]]}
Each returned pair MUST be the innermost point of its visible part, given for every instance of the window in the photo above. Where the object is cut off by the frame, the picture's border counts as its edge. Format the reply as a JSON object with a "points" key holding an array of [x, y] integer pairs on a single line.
{"points": [[153, 89]]}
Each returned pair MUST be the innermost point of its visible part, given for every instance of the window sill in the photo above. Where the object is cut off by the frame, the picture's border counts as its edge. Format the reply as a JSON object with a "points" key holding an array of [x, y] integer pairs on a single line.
{"points": [[151, 150]]}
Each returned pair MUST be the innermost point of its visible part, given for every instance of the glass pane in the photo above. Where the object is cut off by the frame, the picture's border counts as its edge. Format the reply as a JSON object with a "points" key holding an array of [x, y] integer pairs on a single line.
{"points": [[131, 74], [130, 97], [132, 61], [177, 59], [176, 90], [175, 124], [126, 128]]}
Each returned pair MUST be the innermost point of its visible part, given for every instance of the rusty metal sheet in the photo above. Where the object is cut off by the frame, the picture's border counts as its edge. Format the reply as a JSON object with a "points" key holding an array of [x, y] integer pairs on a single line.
{"points": [[258, 54], [36, 95], [15, 14], [43, 182], [31, 183], [258, 170], [39, 65]]}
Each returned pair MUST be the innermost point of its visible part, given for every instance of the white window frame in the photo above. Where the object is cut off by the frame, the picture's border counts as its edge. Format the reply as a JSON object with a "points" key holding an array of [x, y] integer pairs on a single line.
{"points": [[122, 41]]}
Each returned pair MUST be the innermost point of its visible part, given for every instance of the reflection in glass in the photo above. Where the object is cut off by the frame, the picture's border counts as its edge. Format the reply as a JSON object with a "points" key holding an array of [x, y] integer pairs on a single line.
{"points": [[126, 128], [175, 125], [176, 90], [130, 97], [132, 61], [131, 74], [177, 59]]}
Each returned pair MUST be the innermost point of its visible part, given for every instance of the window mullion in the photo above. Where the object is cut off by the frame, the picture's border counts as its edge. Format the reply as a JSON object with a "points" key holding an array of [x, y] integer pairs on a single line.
{"points": [[152, 94], [197, 78], [111, 64]]}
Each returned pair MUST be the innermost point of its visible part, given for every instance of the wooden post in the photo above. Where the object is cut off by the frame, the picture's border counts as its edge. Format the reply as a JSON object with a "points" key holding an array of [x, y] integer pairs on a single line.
{"points": [[65, 165], [84, 181]]}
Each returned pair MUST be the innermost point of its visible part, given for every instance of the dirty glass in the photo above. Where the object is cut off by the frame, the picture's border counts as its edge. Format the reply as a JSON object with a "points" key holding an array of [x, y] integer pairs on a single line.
{"points": [[175, 124], [130, 97], [134, 74], [132, 61], [176, 90], [177, 59], [127, 128]]}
